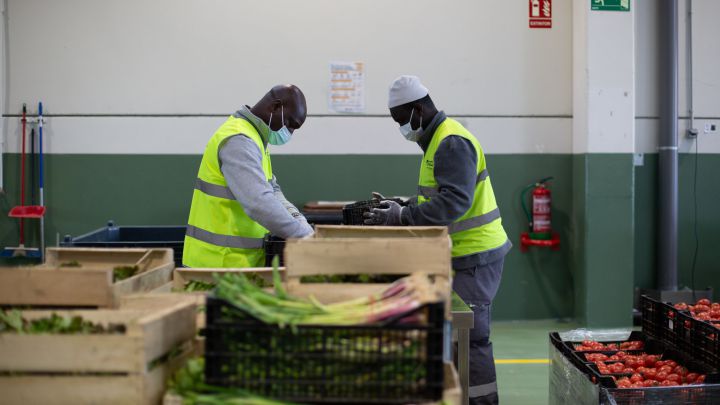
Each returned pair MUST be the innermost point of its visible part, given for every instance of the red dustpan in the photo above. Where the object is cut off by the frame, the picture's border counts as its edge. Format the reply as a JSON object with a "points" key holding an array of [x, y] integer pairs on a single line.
{"points": [[27, 211]]}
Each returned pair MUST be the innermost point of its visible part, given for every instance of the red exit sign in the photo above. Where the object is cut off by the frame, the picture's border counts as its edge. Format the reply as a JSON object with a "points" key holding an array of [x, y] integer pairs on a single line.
{"points": [[540, 13]]}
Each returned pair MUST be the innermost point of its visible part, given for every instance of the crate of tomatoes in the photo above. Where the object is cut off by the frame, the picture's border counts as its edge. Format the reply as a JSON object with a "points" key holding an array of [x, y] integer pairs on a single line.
{"points": [[636, 370], [693, 328]]}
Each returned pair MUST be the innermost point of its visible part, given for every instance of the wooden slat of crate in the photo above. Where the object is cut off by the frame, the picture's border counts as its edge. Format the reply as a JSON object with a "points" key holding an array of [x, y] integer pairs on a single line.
{"points": [[88, 285], [349, 231], [61, 287], [369, 250], [182, 275], [143, 388], [150, 334]]}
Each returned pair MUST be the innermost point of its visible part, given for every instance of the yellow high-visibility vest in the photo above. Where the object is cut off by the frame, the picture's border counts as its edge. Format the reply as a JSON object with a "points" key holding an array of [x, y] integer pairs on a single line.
{"points": [[219, 232], [480, 228]]}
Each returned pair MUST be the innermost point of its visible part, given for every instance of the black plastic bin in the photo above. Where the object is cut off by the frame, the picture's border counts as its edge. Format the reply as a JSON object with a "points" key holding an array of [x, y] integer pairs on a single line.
{"points": [[353, 213], [273, 246], [391, 363], [133, 236]]}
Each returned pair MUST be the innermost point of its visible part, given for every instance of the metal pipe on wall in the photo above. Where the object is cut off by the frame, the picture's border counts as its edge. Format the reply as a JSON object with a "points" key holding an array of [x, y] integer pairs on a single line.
{"points": [[668, 147]]}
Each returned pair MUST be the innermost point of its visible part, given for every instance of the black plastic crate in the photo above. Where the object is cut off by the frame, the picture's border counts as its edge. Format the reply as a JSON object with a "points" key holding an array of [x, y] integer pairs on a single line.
{"points": [[353, 213], [707, 393], [113, 236], [274, 246], [701, 339], [393, 362], [660, 321]]}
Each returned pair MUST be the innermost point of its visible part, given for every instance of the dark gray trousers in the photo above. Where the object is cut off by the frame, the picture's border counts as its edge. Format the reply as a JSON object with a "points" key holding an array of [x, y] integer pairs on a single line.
{"points": [[477, 286]]}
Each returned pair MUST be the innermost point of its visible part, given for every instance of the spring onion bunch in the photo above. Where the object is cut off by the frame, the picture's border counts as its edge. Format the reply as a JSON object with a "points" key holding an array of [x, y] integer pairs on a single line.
{"points": [[403, 296]]}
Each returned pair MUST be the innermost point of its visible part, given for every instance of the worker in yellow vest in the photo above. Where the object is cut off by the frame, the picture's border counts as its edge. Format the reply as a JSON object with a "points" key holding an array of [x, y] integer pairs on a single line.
{"points": [[237, 199], [454, 190]]}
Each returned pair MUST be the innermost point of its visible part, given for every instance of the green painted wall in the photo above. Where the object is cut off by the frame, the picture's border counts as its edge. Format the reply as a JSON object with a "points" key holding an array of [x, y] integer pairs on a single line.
{"points": [[707, 269], [603, 250], [84, 191]]}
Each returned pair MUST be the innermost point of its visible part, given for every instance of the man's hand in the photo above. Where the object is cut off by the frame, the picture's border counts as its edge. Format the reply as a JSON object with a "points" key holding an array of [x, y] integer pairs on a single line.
{"points": [[388, 214], [378, 196]]}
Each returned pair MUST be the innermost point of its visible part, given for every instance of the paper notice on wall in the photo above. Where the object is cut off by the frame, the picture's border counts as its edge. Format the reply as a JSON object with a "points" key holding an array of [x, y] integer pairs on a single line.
{"points": [[347, 87]]}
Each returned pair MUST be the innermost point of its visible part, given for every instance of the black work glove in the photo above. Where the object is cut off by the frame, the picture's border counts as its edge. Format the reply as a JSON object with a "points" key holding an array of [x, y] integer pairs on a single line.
{"points": [[388, 214]]}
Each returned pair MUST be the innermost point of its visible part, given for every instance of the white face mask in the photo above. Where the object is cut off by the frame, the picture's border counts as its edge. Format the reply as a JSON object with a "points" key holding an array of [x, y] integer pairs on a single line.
{"points": [[412, 135]]}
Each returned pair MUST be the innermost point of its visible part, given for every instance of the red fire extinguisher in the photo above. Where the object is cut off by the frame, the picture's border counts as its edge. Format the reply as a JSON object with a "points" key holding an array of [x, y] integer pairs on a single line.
{"points": [[539, 221]]}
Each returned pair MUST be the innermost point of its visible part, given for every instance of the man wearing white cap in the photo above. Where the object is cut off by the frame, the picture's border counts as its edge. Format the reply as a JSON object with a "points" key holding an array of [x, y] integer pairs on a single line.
{"points": [[454, 189]]}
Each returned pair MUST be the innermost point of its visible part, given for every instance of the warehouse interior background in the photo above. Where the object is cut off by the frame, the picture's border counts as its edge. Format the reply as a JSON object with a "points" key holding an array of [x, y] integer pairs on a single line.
{"points": [[133, 90]]}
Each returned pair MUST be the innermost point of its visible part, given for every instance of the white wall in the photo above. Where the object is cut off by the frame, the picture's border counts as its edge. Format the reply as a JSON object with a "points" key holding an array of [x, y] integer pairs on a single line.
{"points": [[706, 74], [511, 84]]}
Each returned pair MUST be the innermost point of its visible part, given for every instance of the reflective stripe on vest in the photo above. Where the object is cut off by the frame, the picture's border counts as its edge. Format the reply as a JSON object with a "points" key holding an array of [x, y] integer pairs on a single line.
{"points": [[230, 241], [480, 227], [214, 189], [219, 232], [428, 192]]}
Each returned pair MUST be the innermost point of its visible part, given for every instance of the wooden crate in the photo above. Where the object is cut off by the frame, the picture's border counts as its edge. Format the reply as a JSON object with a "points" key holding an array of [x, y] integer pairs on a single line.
{"points": [[349, 250], [91, 284], [182, 275], [107, 369], [337, 249]]}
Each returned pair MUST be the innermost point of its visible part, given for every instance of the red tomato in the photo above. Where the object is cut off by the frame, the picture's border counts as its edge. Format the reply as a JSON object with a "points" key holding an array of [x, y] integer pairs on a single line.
{"points": [[703, 301], [671, 363], [701, 308], [636, 385], [680, 370], [650, 361], [658, 364], [661, 376], [700, 379], [649, 383], [628, 370], [691, 377], [640, 370], [667, 383], [650, 373], [673, 377], [681, 306], [636, 378], [665, 369]]}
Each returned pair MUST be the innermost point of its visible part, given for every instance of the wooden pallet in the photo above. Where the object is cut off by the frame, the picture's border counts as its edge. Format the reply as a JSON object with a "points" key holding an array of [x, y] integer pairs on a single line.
{"points": [[129, 368], [91, 284]]}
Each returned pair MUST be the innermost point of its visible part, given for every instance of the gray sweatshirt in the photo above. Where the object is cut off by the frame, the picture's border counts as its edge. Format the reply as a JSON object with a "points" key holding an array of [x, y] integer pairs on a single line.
{"points": [[262, 200]]}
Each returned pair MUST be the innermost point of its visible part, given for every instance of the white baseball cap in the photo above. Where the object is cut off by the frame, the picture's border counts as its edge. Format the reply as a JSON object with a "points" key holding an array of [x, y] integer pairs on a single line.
{"points": [[405, 89]]}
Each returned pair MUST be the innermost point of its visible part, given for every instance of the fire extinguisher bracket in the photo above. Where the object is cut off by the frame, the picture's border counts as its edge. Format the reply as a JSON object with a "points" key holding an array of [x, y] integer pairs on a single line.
{"points": [[526, 241]]}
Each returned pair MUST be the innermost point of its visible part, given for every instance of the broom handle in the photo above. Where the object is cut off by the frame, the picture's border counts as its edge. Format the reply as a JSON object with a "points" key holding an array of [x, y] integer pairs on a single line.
{"points": [[42, 183], [22, 175]]}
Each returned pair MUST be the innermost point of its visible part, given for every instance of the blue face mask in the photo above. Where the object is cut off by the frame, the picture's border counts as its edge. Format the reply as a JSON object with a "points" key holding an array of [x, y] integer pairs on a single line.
{"points": [[281, 136]]}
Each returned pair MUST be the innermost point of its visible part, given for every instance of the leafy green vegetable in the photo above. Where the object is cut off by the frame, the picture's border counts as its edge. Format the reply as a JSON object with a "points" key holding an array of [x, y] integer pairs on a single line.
{"points": [[189, 384], [123, 272], [13, 322], [198, 285]]}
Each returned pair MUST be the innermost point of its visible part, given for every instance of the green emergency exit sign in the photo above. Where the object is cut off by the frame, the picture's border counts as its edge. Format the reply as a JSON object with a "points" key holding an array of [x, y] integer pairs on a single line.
{"points": [[610, 5]]}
